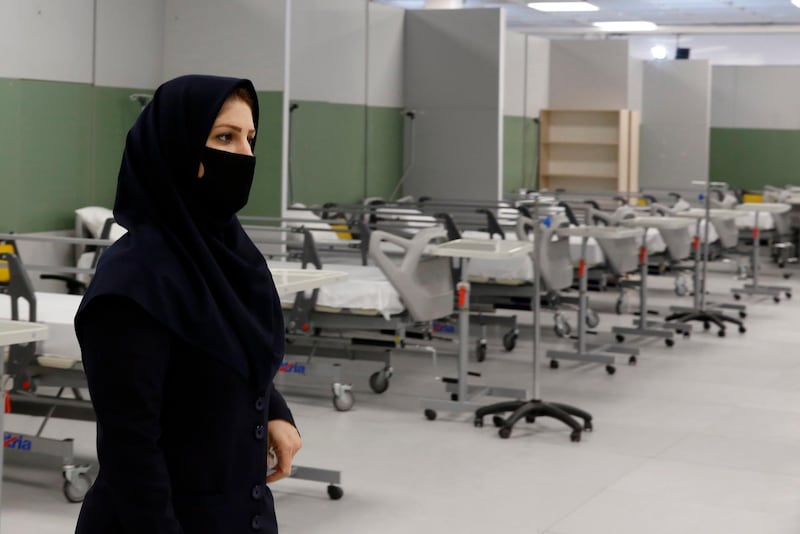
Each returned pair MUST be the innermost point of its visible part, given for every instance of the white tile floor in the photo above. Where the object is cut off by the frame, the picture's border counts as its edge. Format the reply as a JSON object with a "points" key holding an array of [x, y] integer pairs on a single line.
{"points": [[701, 438]]}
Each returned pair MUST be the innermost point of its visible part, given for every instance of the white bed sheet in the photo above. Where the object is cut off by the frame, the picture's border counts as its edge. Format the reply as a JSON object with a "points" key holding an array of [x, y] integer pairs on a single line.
{"points": [[366, 290], [58, 311], [748, 220]]}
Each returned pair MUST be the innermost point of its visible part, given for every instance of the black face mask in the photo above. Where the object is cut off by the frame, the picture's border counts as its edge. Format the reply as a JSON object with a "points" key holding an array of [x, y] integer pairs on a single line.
{"points": [[223, 189]]}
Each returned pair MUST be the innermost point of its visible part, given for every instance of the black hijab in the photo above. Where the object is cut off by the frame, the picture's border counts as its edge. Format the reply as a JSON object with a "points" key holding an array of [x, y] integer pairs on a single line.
{"points": [[207, 283]]}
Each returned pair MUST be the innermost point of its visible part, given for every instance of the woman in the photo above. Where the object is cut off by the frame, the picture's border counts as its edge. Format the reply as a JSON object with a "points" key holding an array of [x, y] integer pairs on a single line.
{"points": [[181, 330]]}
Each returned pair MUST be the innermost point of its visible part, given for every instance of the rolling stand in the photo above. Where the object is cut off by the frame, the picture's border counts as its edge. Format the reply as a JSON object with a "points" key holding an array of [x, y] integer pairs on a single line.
{"points": [[536, 407]]}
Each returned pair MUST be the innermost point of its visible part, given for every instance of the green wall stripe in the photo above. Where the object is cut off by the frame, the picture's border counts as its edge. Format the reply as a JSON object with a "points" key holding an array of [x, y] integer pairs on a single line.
{"points": [[752, 158], [265, 197], [384, 150], [520, 137]]}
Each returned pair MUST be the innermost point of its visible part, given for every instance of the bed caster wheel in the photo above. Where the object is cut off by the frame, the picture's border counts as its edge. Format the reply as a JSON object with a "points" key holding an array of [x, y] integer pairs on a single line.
{"points": [[632, 361], [686, 334], [480, 350], [335, 492], [669, 342], [610, 369], [478, 422], [742, 315], [592, 319], [786, 276], [430, 415], [553, 364], [706, 325], [587, 426], [721, 333], [561, 327], [776, 298], [788, 295], [619, 306], [76, 486], [504, 432], [498, 421], [620, 338], [530, 418], [454, 397], [510, 340], [379, 381], [575, 436], [737, 296], [681, 287], [742, 329], [344, 400]]}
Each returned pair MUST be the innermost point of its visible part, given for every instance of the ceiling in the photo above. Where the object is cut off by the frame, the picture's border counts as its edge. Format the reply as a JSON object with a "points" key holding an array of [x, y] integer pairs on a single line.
{"points": [[763, 16]]}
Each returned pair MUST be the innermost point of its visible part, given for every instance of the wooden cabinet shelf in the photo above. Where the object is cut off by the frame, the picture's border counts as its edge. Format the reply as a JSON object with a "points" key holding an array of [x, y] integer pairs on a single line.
{"points": [[589, 150]]}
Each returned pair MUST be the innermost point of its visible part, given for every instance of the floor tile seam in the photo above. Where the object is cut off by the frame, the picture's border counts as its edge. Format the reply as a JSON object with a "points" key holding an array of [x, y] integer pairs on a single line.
{"points": [[795, 478]]}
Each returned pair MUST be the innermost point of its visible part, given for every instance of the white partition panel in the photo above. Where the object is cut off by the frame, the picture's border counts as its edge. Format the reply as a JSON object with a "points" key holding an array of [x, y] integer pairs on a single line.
{"points": [[756, 97], [453, 80], [589, 74], [676, 122], [515, 72], [385, 56], [537, 86], [47, 40]]}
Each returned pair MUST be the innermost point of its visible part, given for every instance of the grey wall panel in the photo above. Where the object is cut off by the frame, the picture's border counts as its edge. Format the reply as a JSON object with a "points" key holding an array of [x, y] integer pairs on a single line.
{"points": [[723, 97], [130, 43], [676, 121], [47, 40], [385, 56], [635, 80], [515, 71], [453, 80], [538, 72], [243, 38], [588, 74], [766, 97], [328, 51], [456, 155]]}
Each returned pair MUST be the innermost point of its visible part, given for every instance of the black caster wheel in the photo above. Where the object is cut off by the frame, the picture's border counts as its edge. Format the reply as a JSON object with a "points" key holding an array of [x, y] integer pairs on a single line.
{"points": [[587, 426], [335, 492], [530, 418], [504, 432], [478, 422], [454, 397], [737, 296], [610, 369], [669, 342], [620, 338], [575, 436], [430, 415], [510, 340], [379, 382], [786, 276], [553, 364], [788, 295], [721, 333], [706, 325], [480, 350], [686, 334], [776, 299], [742, 315], [632, 361], [742, 329], [498, 421]]}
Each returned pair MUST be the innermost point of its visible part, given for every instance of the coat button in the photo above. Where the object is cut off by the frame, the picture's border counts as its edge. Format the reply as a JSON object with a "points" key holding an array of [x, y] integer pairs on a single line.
{"points": [[258, 492], [260, 404], [259, 432], [255, 523]]}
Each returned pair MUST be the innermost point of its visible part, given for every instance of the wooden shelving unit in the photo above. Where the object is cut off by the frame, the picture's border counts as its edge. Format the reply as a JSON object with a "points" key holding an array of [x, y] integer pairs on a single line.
{"points": [[589, 150]]}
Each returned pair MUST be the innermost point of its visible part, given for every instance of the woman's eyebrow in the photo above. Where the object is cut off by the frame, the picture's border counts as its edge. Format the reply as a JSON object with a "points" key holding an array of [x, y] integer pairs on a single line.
{"points": [[232, 127]]}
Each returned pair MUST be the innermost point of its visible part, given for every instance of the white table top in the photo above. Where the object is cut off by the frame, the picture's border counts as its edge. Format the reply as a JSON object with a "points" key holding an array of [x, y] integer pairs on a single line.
{"points": [[601, 232], [294, 280], [481, 248], [666, 223], [12, 332], [715, 213], [764, 207]]}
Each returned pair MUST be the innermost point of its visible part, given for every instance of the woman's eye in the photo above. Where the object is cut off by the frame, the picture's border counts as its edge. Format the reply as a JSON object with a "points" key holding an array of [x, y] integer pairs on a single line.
{"points": [[225, 138], [252, 142]]}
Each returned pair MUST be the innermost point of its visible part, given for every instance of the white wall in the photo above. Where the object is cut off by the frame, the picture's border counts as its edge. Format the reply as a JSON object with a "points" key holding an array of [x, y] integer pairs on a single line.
{"points": [[385, 55], [538, 83], [725, 49], [328, 51], [47, 40], [589, 74], [756, 97], [240, 38], [130, 43], [676, 122]]}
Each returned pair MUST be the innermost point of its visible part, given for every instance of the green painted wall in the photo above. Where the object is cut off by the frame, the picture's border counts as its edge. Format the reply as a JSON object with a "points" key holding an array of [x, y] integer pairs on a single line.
{"points": [[520, 138], [752, 158], [61, 146], [344, 152]]}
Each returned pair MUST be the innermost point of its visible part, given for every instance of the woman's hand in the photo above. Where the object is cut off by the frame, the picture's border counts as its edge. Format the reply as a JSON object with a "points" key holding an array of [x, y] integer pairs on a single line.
{"points": [[285, 440]]}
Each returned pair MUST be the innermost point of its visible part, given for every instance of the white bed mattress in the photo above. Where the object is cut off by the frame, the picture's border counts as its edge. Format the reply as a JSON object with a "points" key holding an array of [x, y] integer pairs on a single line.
{"points": [[58, 312], [748, 220], [366, 291]]}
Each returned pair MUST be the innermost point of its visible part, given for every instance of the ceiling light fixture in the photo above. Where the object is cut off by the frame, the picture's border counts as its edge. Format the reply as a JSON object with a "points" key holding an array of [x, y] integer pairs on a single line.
{"points": [[660, 51], [626, 26], [796, 3], [564, 7]]}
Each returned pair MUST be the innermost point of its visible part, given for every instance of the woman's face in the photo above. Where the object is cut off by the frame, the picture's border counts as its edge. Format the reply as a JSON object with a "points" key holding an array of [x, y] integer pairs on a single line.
{"points": [[233, 129]]}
